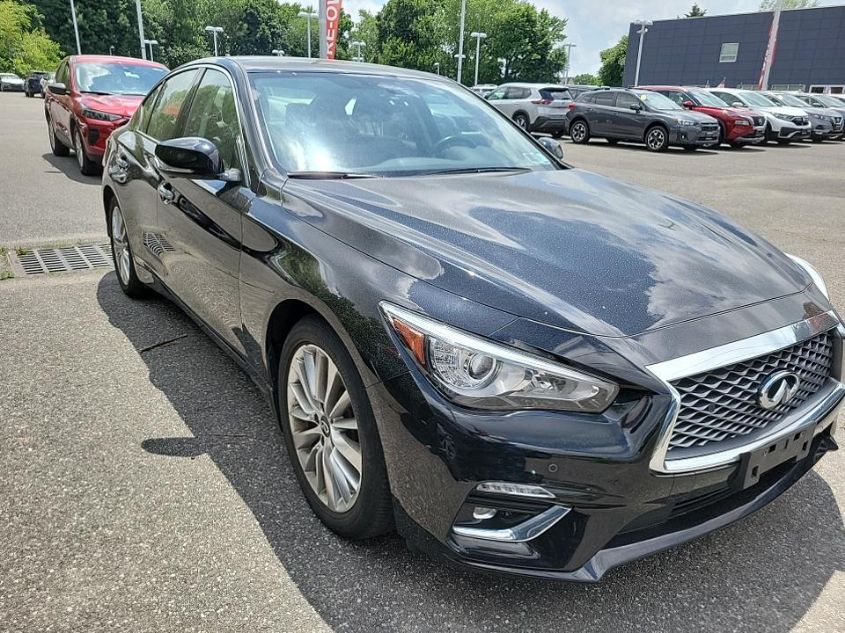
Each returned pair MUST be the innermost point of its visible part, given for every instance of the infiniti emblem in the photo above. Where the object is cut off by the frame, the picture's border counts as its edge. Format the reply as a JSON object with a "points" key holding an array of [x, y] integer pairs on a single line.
{"points": [[778, 389]]}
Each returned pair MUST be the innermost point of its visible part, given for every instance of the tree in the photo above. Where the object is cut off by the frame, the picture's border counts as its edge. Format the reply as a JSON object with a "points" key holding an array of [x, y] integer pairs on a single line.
{"points": [[696, 12], [585, 79], [24, 45], [771, 5], [613, 63]]}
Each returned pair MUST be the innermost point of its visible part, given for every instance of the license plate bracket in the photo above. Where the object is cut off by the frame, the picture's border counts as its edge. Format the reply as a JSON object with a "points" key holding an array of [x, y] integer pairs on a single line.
{"points": [[753, 465]]}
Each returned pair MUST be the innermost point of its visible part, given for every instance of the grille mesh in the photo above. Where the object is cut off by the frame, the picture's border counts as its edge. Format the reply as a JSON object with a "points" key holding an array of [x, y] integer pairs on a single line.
{"points": [[722, 404]]}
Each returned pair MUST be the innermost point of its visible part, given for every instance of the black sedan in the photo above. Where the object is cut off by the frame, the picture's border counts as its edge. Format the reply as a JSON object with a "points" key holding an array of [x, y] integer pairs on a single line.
{"points": [[518, 365], [641, 116]]}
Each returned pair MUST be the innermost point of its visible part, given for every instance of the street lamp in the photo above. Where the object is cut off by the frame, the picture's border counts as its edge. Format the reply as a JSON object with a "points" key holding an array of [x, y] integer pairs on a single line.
{"points": [[311, 16], [643, 24], [214, 30], [568, 48], [111, 50], [437, 67], [358, 44], [278, 52], [151, 43], [478, 37], [460, 54], [75, 27], [141, 28]]}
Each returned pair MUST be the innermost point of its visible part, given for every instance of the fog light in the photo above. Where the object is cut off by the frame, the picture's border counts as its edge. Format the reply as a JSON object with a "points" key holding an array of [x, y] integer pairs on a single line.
{"points": [[517, 490], [480, 513]]}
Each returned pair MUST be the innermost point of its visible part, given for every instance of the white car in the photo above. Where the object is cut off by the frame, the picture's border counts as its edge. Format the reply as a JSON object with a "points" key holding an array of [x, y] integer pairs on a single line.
{"points": [[783, 124], [10, 82]]}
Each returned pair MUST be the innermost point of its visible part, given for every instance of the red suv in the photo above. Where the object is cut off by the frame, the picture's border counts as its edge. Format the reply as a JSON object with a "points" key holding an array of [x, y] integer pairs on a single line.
{"points": [[737, 126], [92, 95]]}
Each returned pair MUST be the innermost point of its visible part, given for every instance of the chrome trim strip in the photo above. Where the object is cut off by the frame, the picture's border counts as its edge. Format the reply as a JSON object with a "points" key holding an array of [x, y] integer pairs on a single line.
{"points": [[728, 354], [525, 531]]}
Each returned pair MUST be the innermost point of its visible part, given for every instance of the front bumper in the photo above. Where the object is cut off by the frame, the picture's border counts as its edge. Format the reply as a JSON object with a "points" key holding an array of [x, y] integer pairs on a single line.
{"points": [[13, 88], [95, 135], [792, 133], [752, 137], [618, 507], [694, 136]]}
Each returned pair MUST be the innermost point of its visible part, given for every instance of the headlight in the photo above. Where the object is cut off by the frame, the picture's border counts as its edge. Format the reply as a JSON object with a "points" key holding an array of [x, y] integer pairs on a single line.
{"points": [[478, 373], [742, 122], [785, 117], [100, 116], [814, 274], [687, 123]]}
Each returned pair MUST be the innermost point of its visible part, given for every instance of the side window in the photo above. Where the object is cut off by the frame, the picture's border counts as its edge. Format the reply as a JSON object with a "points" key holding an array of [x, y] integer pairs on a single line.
{"points": [[587, 98], [724, 96], [164, 118], [213, 116], [625, 100], [61, 74], [677, 97], [606, 98], [496, 95], [142, 116], [513, 93]]}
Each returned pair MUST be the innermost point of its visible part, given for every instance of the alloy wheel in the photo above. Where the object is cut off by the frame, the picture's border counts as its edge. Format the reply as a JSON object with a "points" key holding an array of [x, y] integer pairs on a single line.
{"points": [[656, 139], [119, 245], [578, 132], [324, 428]]}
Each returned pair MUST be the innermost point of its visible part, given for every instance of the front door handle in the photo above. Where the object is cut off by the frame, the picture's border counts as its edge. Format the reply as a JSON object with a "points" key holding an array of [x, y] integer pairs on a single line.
{"points": [[166, 193]]}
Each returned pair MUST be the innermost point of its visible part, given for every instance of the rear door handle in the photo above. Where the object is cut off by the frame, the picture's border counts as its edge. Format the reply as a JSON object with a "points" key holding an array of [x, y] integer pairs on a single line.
{"points": [[166, 193]]}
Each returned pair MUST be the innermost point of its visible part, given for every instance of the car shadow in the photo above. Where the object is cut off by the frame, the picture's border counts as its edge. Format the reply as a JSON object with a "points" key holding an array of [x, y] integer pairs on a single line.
{"points": [[762, 574], [636, 147], [69, 167]]}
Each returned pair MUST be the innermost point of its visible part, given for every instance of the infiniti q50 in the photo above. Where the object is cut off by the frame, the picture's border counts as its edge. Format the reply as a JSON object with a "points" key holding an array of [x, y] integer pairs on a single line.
{"points": [[519, 365]]}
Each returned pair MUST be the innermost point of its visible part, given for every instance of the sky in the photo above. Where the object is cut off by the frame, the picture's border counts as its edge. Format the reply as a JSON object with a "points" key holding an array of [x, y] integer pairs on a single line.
{"points": [[598, 24]]}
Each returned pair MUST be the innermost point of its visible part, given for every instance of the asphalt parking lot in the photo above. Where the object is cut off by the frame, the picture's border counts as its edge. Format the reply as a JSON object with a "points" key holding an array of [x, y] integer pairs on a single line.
{"points": [[145, 485]]}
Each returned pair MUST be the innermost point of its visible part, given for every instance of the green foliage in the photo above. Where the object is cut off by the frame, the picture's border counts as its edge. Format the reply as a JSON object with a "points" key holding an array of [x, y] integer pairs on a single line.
{"points": [[696, 12], [586, 79], [24, 46], [771, 5], [613, 63]]}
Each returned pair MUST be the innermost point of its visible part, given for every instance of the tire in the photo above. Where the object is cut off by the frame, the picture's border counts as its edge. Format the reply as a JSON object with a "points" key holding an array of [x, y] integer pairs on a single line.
{"points": [[521, 119], [87, 166], [579, 132], [557, 135], [612, 141], [656, 138], [313, 440], [59, 148], [124, 265]]}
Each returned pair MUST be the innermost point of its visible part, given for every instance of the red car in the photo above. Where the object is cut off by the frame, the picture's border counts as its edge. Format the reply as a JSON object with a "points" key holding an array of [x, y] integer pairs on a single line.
{"points": [[737, 126], [91, 96]]}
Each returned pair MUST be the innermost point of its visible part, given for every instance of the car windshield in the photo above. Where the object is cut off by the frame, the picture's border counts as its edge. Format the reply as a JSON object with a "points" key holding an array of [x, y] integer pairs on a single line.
{"points": [[117, 78], [757, 99], [830, 101], [555, 94], [657, 101], [340, 124], [9, 76], [792, 100], [708, 99]]}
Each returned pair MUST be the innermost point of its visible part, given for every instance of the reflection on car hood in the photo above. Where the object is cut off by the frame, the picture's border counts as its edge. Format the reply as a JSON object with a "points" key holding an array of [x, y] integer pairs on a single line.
{"points": [[690, 115], [785, 110], [569, 248], [113, 104]]}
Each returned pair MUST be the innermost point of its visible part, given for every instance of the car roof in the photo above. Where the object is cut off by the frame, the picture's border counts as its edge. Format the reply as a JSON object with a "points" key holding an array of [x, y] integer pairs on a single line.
{"points": [[525, 84], [270, 63], [81, 59]]}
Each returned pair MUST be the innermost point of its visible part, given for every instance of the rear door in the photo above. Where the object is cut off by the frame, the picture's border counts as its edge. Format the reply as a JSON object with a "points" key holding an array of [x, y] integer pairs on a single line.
{"points": [[202, 218]]}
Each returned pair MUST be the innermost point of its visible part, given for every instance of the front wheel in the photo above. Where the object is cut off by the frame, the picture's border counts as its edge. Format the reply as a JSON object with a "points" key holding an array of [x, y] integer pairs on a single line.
{"points": [[657, 139], [579, 132], [331, 434], [124, 265]]}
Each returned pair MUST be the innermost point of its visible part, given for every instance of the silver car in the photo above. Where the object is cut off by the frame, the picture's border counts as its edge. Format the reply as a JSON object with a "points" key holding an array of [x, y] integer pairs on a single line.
{"points": [[834, 102], [10, 82], [826, 122], [534, 107]]}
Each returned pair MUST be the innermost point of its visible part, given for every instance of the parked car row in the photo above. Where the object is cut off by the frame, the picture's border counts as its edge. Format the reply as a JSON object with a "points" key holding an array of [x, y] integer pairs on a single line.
{"points": [[664, 116]]}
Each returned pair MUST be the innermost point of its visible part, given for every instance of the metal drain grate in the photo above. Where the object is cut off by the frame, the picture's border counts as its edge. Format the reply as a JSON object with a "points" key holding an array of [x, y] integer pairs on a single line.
{"points": [[67, 259]]}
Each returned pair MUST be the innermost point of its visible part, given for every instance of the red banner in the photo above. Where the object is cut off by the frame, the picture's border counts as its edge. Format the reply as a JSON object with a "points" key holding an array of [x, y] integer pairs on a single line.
{"points": [[333, 8]]}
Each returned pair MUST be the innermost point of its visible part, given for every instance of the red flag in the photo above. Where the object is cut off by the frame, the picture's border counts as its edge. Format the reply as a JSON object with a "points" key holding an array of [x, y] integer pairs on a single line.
{"points": [[333, 8]]}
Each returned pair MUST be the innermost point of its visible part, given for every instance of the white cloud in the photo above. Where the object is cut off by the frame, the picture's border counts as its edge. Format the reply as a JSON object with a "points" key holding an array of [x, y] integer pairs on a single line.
{"points": [[598, 24]]}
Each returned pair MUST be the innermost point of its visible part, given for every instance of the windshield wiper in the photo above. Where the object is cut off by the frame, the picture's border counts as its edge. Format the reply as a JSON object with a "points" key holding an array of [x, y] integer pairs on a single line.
{"points": [[94, 92], [327, 175], [472, 170]]}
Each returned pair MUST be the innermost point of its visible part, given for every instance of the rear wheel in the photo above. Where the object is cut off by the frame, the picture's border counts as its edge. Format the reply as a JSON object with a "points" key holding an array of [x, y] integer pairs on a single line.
{"points": [[579, 132], [331, 433], [657, 139], [87, 166]]}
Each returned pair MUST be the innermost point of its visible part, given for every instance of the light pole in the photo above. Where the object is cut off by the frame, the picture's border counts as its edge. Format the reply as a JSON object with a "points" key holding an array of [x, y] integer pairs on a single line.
{"points": [[478, 37], [310, 15], [75, 27], [437, 67], [214, 30], [141, 28], [151, 43], [278, 52], [358, 44], [111, 50], [643, 24], [460, 54], [568, 48]]}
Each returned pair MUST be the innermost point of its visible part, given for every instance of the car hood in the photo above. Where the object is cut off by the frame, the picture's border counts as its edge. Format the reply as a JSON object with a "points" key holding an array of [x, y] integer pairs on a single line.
{"points": [[785, 110], [566, 247], [689, 115], [124, 105]]}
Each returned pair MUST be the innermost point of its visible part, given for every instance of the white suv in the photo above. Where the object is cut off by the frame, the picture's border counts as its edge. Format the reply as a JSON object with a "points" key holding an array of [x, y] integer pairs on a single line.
{"points": [[783, 124], [534, 107]]}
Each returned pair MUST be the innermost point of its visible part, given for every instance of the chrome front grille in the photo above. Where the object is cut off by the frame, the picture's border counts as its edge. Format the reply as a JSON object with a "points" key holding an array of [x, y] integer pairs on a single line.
{"points": [[709, 127], [721, 404]]}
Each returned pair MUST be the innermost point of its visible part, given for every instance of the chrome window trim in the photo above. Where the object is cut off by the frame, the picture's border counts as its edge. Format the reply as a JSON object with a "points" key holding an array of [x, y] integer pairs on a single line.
{"points": [[729, 354], [525, 531]]}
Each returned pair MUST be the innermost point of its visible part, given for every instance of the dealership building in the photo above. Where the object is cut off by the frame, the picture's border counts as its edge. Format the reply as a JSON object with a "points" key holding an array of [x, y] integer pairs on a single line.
{"points": [[780, 50]]}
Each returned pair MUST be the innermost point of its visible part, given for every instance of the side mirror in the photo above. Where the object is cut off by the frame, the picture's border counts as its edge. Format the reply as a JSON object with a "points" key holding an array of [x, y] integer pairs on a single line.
{"points": [[689, 105], [552, 146], [636, 107], [193, 157], [57, 89], [738, 104]]}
